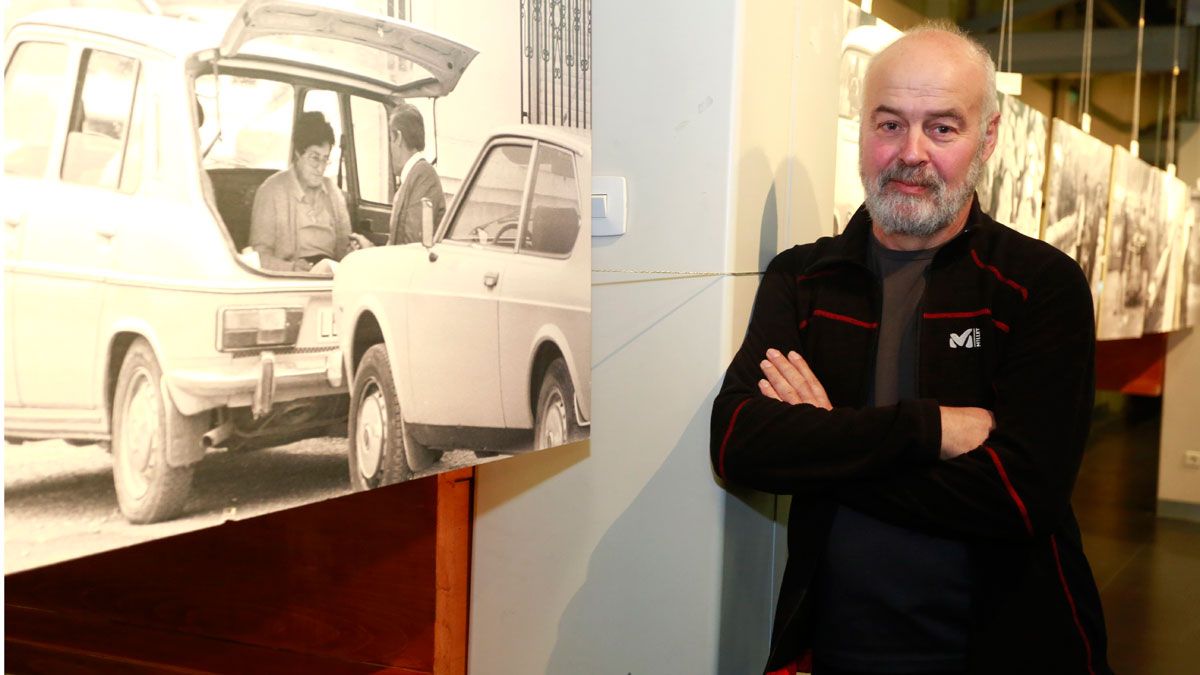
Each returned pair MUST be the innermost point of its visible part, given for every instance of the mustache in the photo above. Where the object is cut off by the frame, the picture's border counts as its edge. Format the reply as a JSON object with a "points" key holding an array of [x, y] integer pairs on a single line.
{"points": [[922, 176]]}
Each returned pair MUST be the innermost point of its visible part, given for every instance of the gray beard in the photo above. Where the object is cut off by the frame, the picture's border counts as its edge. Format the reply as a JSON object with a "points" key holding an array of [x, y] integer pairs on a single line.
{"points": [[918, 215]]}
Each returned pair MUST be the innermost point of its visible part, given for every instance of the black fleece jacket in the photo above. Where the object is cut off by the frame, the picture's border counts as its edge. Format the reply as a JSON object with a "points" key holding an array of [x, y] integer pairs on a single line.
{"points": [[1006, 324]]}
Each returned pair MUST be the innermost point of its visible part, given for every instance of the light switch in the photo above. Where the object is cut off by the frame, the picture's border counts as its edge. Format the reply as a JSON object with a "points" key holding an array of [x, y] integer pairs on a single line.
{"points": [[608, 206]]}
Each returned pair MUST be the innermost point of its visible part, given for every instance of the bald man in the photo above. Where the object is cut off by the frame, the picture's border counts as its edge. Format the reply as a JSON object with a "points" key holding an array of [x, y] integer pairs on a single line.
{"points": [[922, 386]]}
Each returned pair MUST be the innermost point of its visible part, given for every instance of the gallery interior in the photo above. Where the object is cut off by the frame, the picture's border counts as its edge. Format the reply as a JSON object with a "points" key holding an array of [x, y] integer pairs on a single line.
{"points": [[624, 553]]}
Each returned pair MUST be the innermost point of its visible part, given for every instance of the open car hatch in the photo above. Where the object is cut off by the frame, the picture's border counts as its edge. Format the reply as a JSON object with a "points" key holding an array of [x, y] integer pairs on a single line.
{"points": [[444, 59]]}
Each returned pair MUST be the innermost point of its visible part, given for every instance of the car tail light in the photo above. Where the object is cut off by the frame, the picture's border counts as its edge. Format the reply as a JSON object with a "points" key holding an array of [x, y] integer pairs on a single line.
{"points": [[258, 327]]}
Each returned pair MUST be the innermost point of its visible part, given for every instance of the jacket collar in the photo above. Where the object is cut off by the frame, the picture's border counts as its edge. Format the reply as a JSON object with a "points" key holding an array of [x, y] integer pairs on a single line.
{"points": [[851, 247]]}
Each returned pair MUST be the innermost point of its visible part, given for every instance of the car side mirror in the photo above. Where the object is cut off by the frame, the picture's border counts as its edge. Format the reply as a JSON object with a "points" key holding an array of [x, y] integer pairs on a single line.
{"points": [[426, 222]]}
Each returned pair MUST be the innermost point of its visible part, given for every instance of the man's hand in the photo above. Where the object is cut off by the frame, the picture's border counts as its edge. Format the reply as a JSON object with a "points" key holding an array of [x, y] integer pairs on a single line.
{"points": [[359, 242], [789, 379], [964, 429]]}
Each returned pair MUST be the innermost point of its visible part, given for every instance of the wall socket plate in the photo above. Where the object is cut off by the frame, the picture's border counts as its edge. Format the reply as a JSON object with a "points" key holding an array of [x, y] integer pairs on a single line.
{"points": [[1191, 459]]}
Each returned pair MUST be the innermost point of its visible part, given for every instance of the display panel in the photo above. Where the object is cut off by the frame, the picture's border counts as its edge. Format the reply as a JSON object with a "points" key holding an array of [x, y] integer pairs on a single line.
{"points": [[229, 287], [1077, 198], [1011, 188], [1167, 246], [1135, 214]]}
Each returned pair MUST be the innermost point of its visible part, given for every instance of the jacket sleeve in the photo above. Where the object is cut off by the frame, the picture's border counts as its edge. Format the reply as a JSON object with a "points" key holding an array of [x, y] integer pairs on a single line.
{"points": [[768, 445], [426, 185], [1017, 485]]}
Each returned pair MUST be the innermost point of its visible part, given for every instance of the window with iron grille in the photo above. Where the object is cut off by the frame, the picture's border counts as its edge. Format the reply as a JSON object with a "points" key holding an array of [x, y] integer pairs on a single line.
{"points": [[556, 62]]}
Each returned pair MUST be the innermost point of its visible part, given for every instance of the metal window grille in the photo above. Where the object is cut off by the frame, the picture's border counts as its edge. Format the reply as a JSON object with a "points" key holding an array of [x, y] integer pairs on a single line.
{"points": [[556, 62]]}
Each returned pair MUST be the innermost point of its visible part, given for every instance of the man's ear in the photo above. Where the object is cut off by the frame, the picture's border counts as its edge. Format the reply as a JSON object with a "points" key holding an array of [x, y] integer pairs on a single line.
{"points": [[991, 132]]}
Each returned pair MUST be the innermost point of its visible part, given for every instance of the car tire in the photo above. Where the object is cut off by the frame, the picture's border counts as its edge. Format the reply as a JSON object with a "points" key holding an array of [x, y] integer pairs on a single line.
{"points": [[554, 421], [145, 423], [381, 450]]}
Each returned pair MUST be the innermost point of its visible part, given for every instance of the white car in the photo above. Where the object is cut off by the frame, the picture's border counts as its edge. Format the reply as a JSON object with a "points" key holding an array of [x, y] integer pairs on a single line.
{"points": [[480, 336], [133, 148]]}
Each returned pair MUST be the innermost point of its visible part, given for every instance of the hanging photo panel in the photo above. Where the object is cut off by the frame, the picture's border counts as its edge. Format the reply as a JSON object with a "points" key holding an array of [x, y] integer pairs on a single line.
{"points": [[1166, 247], [1134, 213], [264, 254], [1077, 187], [1011, 188], [1189, 296]]}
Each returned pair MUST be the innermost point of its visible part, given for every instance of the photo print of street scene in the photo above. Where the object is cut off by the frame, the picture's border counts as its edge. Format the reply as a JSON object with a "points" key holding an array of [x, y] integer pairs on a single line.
{"points": [[1011, 188], [1077, 190], [265, 254]]}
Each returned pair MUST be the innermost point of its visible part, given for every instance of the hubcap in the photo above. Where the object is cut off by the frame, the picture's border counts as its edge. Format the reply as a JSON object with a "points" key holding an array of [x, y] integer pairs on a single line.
{"points": [[140, 433], [554, 422], [371, 430]]}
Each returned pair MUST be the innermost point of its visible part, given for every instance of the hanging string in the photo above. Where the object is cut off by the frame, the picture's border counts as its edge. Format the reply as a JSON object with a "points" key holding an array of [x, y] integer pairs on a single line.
{"points": [[1085, 70], [1137, 82], [1174, 84], [1006, 30], [1011, 3]]}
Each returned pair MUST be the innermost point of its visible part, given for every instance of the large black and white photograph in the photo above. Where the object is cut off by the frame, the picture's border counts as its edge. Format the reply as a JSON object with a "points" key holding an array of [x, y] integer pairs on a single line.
{"points": [[1189, 297], [1134, 213], [267, 253], [1077, 198], [1011, 187], [1166, 246], [864, 36]]}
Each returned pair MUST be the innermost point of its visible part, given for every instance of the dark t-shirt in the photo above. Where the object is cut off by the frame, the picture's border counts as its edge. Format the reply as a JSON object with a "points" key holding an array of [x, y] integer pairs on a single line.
{"points": [[889, 599]]}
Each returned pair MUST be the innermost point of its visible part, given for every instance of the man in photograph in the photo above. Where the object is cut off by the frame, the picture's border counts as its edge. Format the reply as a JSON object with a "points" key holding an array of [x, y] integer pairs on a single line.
{"points": [[418, 179], [922, 386]]}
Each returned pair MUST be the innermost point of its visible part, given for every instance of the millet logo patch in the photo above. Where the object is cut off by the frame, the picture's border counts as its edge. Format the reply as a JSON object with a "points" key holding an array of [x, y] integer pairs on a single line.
{"points": [[968, 339]]}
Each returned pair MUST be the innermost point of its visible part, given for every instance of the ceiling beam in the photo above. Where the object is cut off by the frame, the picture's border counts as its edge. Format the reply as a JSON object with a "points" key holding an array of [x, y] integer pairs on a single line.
{"points": [[1120, 12], [1114, 50], [986, 23]]}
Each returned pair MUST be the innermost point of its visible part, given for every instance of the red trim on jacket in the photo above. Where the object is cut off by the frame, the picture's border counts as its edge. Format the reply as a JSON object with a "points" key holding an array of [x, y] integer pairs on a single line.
{"points": [[984, 311], [725, 440], [846, 319], [1012, 491], [967, 315], [1062, 578], [992, 268], [789, 669]]}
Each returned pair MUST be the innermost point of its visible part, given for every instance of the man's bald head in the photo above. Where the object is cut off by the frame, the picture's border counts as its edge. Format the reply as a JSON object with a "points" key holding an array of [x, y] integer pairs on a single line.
{"points": [[929, 122], [952, 44]]}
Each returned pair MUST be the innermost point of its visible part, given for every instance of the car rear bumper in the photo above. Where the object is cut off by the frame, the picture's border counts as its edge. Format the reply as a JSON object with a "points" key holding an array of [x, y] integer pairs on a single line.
{"points": [[258, 381]]}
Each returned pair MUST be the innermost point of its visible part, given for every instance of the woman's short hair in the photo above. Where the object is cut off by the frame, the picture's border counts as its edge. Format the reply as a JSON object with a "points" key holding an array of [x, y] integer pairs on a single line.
{"points": [[311, 129]]}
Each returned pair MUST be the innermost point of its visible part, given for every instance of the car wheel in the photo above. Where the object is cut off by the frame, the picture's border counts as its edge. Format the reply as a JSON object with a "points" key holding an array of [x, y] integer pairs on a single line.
{"points": [[148, 488], [382, 451], [554, 421]]}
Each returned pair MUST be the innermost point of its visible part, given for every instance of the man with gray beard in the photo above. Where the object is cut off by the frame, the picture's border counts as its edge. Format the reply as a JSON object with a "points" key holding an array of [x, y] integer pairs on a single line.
{"points": [[921, 385]]}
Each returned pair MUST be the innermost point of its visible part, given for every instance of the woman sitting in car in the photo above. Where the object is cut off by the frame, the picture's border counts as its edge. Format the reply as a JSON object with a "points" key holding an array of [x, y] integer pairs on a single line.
{"points": [[300, 217]]}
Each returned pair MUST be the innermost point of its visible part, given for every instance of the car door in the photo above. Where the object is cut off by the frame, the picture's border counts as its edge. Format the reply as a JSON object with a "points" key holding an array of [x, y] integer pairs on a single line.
{"points": [[547, 289], [453, 330], [372, 169], [68, 238], [37, 89]]}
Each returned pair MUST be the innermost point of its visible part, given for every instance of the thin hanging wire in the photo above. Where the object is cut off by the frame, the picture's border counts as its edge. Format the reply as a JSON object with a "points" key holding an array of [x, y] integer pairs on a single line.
{"points": [[1137, 82], [1004, 49], [1174, 84], [1085, 70], [1011, 3]]}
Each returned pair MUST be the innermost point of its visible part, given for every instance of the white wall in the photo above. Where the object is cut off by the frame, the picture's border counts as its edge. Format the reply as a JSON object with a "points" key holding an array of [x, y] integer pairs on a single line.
{"points": [[624, 555], [489, 93], [1179, 486]]}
